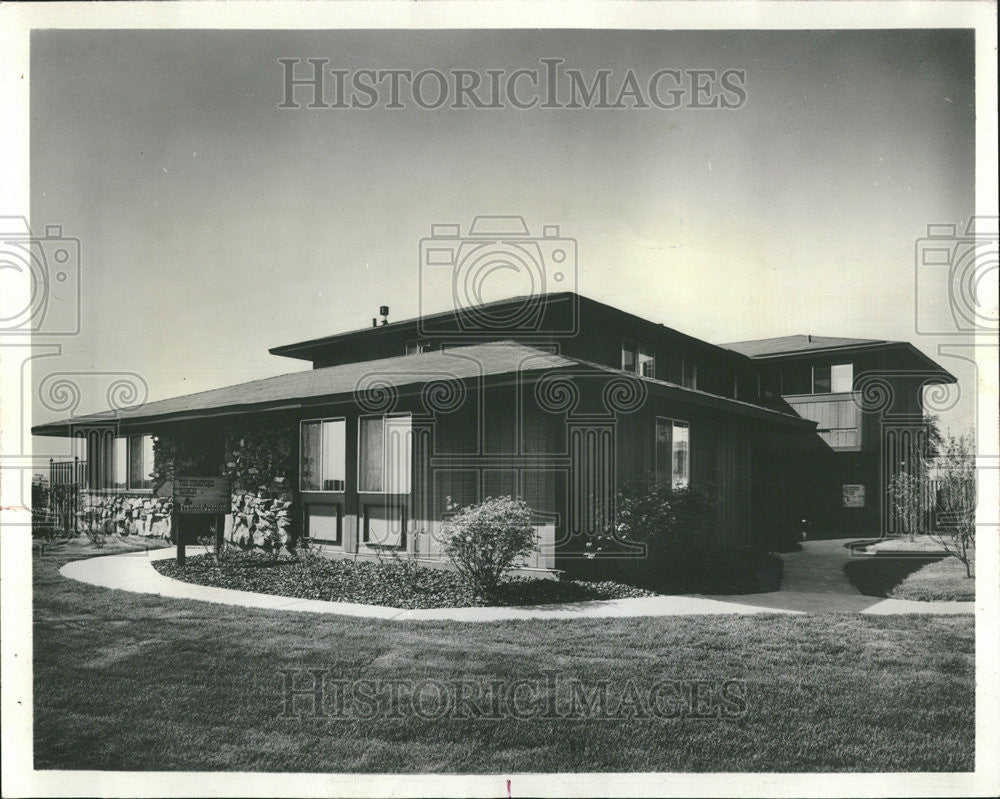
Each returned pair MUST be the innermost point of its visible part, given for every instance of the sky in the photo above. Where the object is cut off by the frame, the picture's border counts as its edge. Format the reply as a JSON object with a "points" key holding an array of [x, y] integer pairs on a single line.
{"points": [[214, 224]]}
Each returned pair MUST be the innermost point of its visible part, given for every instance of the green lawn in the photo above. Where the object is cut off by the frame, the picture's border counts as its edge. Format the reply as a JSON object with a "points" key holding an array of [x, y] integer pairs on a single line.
{"points": [[944, 580], [922, 579], [127, 681]]}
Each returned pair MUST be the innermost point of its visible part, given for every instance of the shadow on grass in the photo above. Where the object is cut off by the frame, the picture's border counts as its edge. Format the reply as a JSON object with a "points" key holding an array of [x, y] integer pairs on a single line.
{"points": [[80, 548], [877, 575]]}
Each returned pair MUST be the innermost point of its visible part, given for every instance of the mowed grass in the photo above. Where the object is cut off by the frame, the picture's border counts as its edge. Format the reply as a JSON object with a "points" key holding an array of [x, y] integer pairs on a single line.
{"points": [[138, 682], [912, 577], [941, 581]]}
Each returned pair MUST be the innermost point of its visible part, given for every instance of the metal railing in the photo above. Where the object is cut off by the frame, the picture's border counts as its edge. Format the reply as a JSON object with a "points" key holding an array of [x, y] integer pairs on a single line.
{"points": [[66, 480]]}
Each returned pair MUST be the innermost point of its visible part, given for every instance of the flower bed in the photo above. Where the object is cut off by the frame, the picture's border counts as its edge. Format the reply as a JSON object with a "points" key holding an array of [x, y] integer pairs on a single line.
{"points": [[395, 584]]}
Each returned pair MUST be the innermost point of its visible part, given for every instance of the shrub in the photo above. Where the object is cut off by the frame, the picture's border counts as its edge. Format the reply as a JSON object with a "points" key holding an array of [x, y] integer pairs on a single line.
{"points": [[95, 527], [660, 518], [484, 541], [215, 546], [652, 512]]}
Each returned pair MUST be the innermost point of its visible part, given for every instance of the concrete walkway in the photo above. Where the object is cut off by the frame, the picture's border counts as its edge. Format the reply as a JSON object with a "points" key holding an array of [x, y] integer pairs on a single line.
{"points": [[812, 589]]}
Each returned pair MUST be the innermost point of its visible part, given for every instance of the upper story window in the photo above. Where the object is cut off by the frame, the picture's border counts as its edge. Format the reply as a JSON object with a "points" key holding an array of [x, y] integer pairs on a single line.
{"points": [[796, 378], [673, 444], [638, 359], [842, 378], [689, 373], [770, 382], [132, 462], [628, 356], [647, 363], [323, 455], [821, 380], [384, 454], [836, 379]]}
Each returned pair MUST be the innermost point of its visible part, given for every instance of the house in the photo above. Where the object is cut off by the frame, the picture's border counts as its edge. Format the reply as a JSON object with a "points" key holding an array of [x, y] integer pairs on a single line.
{"points": [[555, 398], [866, 397]]}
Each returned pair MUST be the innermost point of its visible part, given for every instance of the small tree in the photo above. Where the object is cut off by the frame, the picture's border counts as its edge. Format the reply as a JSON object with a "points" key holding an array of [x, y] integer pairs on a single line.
{"points": [[956, 498], [906, 493], [485, 540]]}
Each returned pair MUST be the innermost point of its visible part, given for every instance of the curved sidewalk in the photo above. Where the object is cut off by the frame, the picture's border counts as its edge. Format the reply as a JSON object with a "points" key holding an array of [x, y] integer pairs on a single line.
{"points": [[133, 571]]}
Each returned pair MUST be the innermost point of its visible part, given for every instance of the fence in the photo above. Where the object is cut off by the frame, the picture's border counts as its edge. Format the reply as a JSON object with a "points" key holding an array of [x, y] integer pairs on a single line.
{"points": [[66, 479]]}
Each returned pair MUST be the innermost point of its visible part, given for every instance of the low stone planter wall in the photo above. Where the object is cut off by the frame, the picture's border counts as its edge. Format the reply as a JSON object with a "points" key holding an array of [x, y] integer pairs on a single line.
{"points": [[258, 519], [127, 513], [261, 519]]}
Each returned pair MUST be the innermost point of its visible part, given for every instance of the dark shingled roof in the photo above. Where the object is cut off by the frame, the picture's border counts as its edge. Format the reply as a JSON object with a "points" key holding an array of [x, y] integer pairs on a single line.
{"points": [[493, 359], [782, 345], [907, 356]]}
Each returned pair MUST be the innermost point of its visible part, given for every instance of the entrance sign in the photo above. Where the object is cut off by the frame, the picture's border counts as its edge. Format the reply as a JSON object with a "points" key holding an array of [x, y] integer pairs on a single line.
{"points": [[199, 495], [202, 494], [854, 496]]}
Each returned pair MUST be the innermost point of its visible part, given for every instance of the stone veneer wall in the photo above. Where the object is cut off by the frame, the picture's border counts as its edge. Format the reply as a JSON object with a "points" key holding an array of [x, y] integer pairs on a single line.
{"points": [[261, 519], [127, 513]]}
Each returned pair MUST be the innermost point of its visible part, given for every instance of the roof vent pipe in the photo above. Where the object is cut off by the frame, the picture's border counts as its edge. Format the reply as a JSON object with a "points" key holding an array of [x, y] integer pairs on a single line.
{"points": [[809, 338], [374, 322], [384, 313]]}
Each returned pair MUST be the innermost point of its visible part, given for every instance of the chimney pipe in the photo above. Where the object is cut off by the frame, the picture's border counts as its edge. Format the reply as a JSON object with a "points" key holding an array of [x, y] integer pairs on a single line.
{"points": [[374, 322], [384, 313]]}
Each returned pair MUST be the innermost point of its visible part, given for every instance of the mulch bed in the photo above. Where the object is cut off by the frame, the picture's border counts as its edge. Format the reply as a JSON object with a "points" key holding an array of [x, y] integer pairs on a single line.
{"points": [[394, 584]]}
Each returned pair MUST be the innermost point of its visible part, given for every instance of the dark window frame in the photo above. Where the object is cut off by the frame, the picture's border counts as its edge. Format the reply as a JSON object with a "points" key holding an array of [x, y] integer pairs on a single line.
{"points": [[321, 420], [384, 417], [669, 473], [111, 453]]}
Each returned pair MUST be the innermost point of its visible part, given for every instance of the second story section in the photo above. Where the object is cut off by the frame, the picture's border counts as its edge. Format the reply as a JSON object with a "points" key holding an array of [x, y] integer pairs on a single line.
{"points": [[832, 381], [564, 323], [848, 386]]}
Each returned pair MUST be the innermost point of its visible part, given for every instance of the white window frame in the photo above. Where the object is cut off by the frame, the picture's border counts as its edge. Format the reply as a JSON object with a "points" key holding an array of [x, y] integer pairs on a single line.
{"points": [[303, 422], [383, 417]]}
